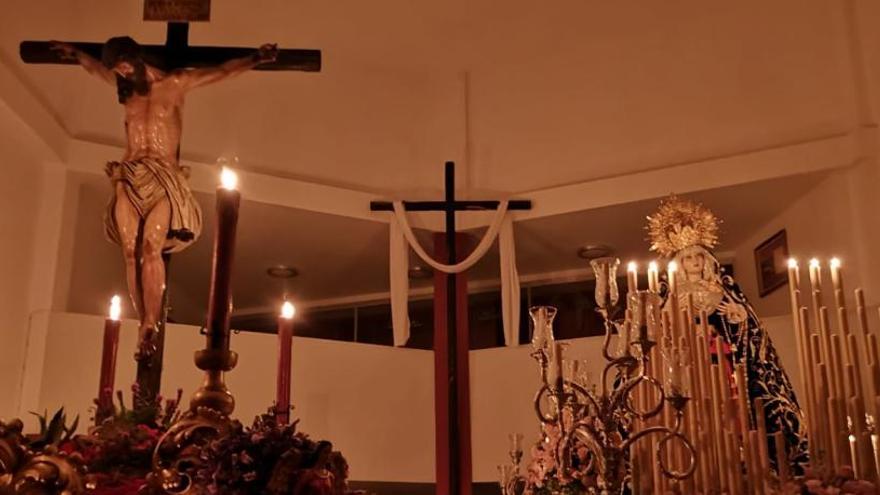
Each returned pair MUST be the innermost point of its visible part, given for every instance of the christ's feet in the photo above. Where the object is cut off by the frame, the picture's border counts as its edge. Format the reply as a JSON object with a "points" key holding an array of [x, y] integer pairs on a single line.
{"points": [[147, 346]]}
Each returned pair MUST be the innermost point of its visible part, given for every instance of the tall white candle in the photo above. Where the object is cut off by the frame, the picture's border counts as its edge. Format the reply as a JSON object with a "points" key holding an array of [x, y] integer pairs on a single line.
{"points": [[875, 443], [853, 452], [632, 277], [815, 275], [837, 285], [835, 273], [653, 277], [671, 272], [794, 274]]}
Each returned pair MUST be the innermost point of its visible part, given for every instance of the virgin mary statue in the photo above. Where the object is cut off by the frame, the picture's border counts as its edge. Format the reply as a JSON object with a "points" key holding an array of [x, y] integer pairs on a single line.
{"points": [[686, 232]]}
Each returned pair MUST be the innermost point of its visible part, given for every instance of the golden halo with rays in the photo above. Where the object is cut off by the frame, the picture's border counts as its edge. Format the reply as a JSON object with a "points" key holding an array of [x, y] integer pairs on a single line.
{"points": [[679, 224]]}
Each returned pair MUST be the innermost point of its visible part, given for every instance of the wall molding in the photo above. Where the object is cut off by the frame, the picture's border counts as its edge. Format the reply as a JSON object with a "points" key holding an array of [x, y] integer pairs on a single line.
{"points": [[827, 152]]}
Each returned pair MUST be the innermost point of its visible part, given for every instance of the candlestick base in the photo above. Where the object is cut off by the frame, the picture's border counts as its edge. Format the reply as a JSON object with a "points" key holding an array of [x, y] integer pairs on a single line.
{"points": [[213, 396], [216, 359]]}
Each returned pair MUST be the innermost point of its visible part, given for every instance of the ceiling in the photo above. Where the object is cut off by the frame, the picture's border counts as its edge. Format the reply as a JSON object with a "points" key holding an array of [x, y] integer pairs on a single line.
{"points": [[341, 258], [575, 89]]}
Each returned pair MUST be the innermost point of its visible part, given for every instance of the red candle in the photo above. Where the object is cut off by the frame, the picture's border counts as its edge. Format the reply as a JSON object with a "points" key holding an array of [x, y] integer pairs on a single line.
{"points": [[220, 301], [285, 336], [108, 359]]}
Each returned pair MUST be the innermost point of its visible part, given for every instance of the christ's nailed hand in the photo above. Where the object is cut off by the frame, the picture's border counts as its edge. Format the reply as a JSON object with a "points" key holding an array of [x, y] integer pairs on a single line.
{"points": [[66, 50], [267, 53]]}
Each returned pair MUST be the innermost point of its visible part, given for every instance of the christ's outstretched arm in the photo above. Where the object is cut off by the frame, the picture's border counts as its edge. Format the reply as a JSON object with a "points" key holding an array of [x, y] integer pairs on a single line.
{"points": [[92, 65], [193, 78]]}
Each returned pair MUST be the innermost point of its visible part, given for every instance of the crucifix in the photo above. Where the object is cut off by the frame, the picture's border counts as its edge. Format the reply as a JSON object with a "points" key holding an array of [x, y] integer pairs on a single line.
{"points": [[152, 212], [452, 404]]}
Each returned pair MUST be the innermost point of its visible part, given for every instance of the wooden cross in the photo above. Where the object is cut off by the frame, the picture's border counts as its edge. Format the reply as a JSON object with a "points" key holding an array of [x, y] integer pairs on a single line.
{"points": [[453, 444], [176, 53]]}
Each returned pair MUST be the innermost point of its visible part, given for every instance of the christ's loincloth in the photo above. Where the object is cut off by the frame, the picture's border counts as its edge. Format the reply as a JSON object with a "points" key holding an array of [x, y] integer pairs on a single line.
{"points": [[146, 181]]}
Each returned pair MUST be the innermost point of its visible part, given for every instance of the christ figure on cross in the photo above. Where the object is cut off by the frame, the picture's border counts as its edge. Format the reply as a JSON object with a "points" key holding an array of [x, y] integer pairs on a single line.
{"points": [[152, 210]]}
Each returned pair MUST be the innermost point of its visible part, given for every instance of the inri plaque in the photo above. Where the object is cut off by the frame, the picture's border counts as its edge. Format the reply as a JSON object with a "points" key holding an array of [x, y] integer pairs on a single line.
{"points": [[177, 10]]}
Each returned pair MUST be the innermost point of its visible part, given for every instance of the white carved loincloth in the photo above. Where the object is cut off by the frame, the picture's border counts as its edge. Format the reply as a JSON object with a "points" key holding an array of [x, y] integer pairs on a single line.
{"points": [[146, 181]]}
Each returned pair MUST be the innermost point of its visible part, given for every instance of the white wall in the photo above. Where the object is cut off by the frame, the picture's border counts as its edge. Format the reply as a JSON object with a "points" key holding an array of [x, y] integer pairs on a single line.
{"points": [[19, 200]]}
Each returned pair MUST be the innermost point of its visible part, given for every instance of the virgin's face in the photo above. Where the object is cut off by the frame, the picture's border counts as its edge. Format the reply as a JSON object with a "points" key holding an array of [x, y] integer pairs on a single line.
{"points": [[692, 264]]}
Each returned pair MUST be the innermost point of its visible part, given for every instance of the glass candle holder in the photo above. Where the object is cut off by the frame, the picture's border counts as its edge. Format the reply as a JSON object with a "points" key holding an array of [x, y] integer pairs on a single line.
{"points": [[505, 476], [676, 380], [605, 271], [542, 327], [515, 442], [643, 307]]}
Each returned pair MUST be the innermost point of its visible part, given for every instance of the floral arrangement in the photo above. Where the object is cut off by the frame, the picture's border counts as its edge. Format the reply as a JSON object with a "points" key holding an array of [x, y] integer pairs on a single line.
{"points": [[263, 458], [542, 475], [117, 452], [268, 458]]}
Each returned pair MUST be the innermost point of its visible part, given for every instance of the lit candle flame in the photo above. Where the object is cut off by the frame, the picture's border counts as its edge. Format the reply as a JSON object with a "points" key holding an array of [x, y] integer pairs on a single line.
{"points": [[672, 266], [115, 308], [228, 179], [631, 266], [653, 266], [814, 263], [792, 263], [835, 263], [288, 310]]}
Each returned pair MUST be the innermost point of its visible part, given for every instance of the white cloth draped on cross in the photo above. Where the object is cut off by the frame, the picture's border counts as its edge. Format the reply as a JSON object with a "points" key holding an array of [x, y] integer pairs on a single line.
{"points": [[402, 237]]}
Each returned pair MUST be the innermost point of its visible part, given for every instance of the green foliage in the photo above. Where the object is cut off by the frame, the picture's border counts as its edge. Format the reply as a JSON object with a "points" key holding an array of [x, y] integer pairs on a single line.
{"points": [[55, 431], [155, 413]]}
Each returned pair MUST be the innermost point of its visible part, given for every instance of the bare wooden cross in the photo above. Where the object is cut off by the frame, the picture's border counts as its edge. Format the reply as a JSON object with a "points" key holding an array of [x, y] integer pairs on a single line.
{"points": [[453, 446], [176, 53]]}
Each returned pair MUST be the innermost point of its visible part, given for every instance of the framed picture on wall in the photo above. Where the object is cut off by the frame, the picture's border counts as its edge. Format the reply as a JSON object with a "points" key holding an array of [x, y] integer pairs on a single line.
{"points": [[771, 262]]}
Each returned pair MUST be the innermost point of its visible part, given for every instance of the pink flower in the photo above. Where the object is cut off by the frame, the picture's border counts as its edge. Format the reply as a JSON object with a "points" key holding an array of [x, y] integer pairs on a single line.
{"points": [[151, 432]]}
